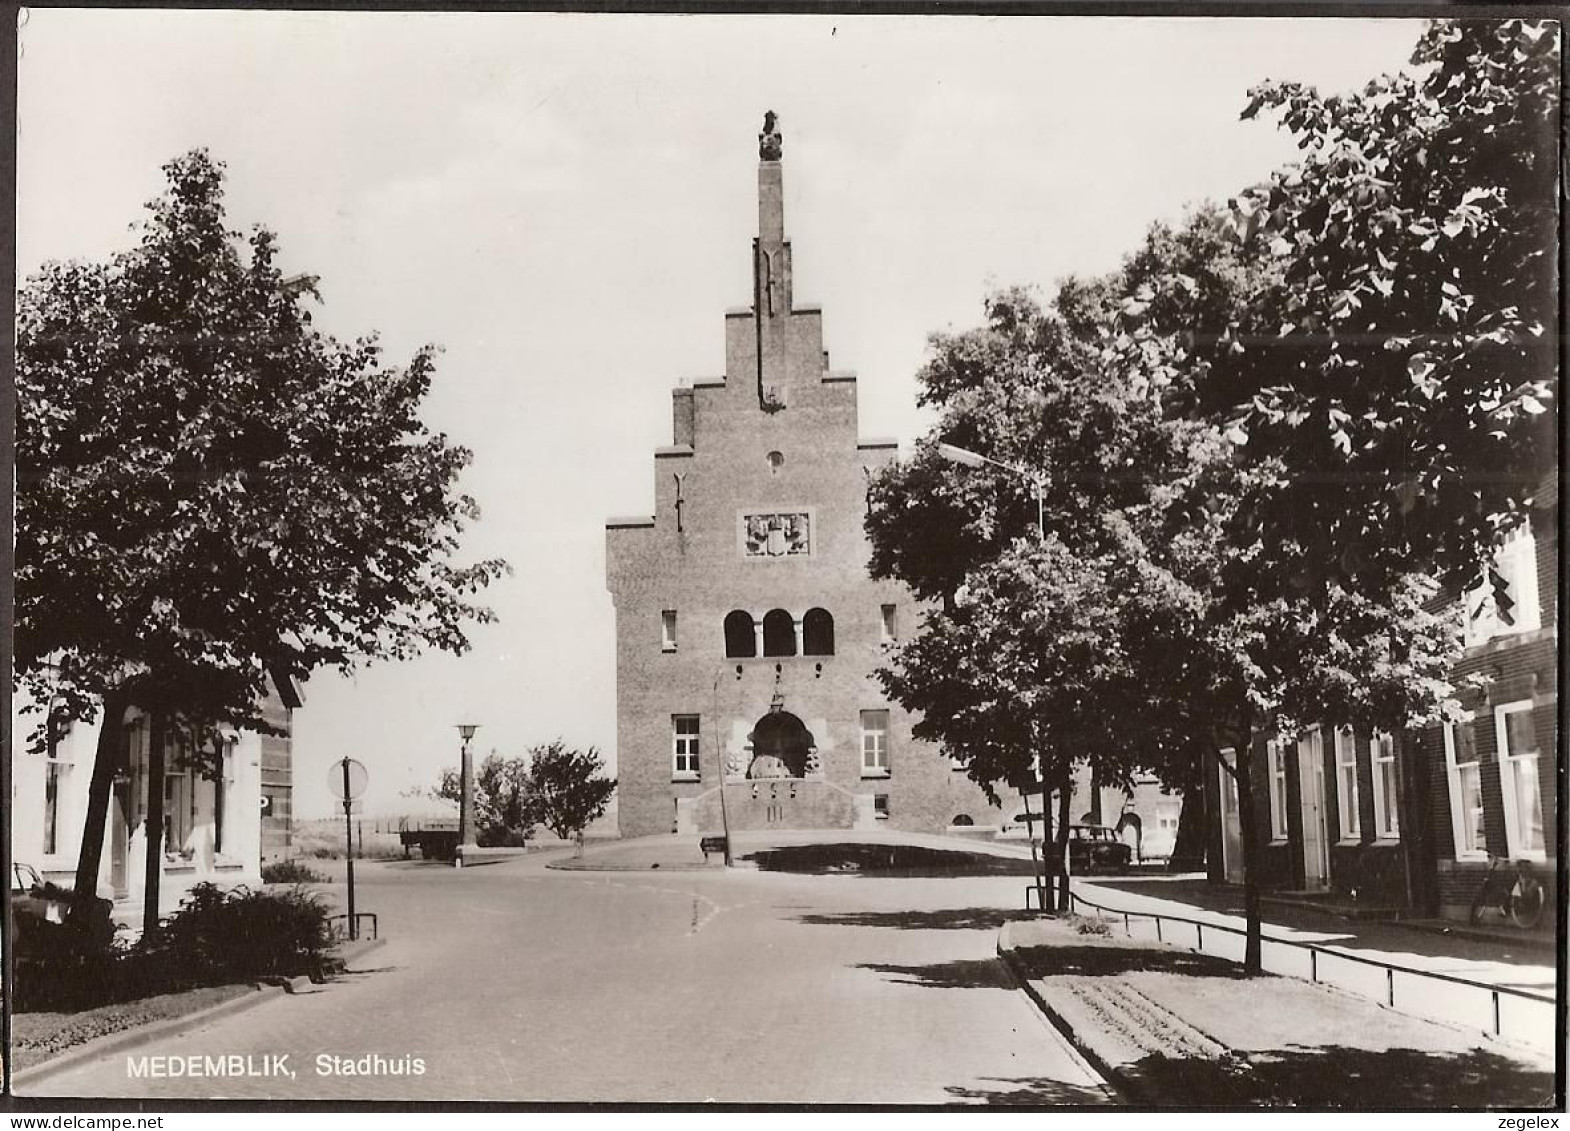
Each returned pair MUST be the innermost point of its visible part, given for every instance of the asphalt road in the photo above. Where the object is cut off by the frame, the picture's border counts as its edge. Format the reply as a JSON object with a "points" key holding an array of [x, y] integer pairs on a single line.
{"points": [[515, 982]]}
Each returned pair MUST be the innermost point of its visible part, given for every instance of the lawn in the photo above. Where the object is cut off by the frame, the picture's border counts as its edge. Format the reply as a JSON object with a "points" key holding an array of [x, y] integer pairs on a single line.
{"points": [[36, 1037]]}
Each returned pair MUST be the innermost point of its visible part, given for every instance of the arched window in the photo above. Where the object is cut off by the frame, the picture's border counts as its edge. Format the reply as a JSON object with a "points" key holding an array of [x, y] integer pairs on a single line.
{"points": [[779, 633], [962, 820], [740, 640], [817, 633]]}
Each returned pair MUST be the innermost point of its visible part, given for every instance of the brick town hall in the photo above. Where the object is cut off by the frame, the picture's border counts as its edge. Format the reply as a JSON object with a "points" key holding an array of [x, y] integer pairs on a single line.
{"points": [[747, 626]]}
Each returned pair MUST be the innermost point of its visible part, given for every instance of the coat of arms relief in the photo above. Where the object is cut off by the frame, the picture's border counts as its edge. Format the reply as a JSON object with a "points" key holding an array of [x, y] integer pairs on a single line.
{"points": [[777, 535]]}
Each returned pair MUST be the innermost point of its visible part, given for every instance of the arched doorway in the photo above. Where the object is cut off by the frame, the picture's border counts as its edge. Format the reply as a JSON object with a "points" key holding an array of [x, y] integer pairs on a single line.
{"points": [[781, 747]]}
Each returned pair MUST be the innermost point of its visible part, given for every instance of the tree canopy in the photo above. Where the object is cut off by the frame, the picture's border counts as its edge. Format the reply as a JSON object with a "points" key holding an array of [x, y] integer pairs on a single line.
{"points": [[567, 791], [212, 495], [1262, 445], [1393, 365], [503, 803], [208, 485]]}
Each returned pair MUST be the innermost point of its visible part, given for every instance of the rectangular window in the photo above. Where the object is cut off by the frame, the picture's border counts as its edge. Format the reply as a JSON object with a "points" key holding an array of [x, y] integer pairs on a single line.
{"points": [[880, 806], [1387, 790], [54, 772], [177, 825], [890, 625], [1523, 790], [221, 791], [668, 630], [684, 747], [1493, 610], [1466, 789], [1274, 756], [874, 744], [1346, 784]]}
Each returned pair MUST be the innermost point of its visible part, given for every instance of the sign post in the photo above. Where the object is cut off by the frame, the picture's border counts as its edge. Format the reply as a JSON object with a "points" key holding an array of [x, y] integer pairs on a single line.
{"points": [[347, 779]]}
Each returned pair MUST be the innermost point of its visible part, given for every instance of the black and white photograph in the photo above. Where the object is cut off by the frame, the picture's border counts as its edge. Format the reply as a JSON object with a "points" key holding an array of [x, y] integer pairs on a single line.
{"points": [[780, 559]]}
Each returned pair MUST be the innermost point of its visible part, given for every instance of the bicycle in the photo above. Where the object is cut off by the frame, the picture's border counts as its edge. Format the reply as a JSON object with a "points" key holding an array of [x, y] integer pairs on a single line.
{"points": [[1519, 896]]}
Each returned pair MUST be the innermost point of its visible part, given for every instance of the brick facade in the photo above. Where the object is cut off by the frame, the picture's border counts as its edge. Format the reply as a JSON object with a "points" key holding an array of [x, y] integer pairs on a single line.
{"points": [[1423, 870], [759, 508]]}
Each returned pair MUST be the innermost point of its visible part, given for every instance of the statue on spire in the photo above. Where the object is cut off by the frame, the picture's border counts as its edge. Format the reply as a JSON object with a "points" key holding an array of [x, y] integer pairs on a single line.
{"points": [[769, 143]]}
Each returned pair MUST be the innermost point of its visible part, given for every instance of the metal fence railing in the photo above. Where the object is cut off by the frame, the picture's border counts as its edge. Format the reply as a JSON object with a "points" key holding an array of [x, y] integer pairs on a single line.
{"points": [[1507, 1012]]}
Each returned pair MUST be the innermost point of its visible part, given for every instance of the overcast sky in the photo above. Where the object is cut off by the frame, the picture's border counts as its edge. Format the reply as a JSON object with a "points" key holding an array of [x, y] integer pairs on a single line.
{"points": [[565, 204]]}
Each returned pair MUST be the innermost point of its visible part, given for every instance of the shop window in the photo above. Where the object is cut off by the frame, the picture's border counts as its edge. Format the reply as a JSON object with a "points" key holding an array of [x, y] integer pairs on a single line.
{"points": [[1466, 789], [817, 632], [684, 747], [741, 640], [1387, 806], [1346, 784], [779, 633], [1518, 778]]}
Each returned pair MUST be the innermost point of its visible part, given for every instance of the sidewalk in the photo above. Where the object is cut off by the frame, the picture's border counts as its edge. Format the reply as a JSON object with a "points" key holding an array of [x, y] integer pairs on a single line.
{"points": [[1171, 1028], [1499, 963]]}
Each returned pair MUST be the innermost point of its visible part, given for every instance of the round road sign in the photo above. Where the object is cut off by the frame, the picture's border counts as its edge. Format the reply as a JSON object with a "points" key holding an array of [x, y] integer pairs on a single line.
{"points": [[347, 778]]}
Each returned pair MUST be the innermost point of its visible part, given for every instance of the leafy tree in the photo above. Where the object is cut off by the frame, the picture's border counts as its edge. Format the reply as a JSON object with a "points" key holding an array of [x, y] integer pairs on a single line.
{"points": [[503, 806], [566, 789], [1402, 364], [1007, 670], [1139, 631], [210, 490]]}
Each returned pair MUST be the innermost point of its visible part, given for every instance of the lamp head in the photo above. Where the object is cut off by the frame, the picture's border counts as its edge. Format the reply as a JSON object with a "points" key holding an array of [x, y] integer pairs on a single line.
{"points": [[466, 730], [961, 456]]}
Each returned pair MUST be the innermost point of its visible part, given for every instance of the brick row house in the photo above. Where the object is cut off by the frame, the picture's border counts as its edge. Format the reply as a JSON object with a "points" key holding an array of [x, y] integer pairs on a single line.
{"points": [[1405, 824]]}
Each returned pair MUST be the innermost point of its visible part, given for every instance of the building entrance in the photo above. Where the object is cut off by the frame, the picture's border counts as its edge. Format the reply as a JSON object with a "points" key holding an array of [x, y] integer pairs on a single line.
{"points": [[782, 747]]}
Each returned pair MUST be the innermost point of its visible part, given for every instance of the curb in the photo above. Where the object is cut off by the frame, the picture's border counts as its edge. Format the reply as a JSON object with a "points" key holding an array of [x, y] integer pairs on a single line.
{"points": [[1119, 1087], [361, 947], [112, 1043], [142, 1034]]}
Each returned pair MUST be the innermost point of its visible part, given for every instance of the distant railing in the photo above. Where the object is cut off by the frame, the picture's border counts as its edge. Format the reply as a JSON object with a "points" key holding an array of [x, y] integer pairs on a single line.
{"points": [[1529, 1016]]}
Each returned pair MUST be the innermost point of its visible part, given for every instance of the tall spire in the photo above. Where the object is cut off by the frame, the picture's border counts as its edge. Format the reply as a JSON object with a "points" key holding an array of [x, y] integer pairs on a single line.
{"points": [[771, 271], [771, 194]]}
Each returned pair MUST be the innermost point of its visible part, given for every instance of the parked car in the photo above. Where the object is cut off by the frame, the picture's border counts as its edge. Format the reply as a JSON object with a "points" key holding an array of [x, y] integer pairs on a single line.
{"points": [[1096, 848], [31, 896], [35, 900], [1091, 848]]}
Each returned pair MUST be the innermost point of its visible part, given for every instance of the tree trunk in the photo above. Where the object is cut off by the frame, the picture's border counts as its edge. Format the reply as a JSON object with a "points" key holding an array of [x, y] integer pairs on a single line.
{"points": [[1249, 827], [1065, 804], [1188, 850], [1417, 846], [1037, 864], [105, 761], [155, 823]]}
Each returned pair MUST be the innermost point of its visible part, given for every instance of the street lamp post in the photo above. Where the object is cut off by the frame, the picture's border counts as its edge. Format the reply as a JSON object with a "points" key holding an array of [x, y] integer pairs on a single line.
{"points": [[465, 795], [1038, 487], [719, 758], [1036, 479]]}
